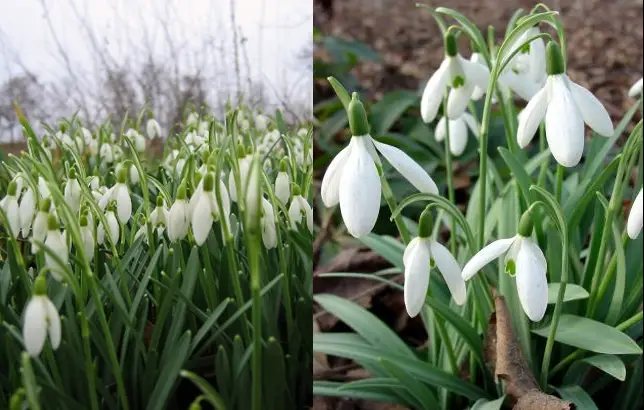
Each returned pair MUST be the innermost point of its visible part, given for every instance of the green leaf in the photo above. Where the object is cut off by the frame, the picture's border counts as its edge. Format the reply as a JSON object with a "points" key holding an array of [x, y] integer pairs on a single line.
{"points": [[591, 335], [386, 247], [519, 172], [169, 373], [608, 363], [380, 394], [342, 93], [573, 292], [484, 404], [419, 391], [365, 323], [211, 394], [578, 396], [388, 110]]}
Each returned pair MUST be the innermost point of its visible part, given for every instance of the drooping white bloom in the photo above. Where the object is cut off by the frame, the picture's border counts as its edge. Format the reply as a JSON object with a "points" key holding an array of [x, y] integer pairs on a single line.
{"points": [[112, 226], [12, 210], [40, 320], [43, 189], [352, 181], [119, 193], [269, 233], [206, 209], [65, 140], [137, 139], [532, 58], [204, 129], [478, 92], [153, 129], [524, 259], [159, 216], [261, 122], [106, 153], [244, 168], [94, 182], [283, 187], [118, 152], [462, 76], [566, 106], [39, 232], [27, 209], [178, 220], [87, 237], [192, 119], [457, 132], [73, 193], [634, 223], [421, 254], [56, 242], [299, 209], [194, 140], [636, 89]]}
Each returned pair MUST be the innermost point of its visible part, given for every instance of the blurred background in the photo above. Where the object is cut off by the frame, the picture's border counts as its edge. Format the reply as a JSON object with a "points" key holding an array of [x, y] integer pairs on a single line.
{"points": [[104, 58], [387, 50]]}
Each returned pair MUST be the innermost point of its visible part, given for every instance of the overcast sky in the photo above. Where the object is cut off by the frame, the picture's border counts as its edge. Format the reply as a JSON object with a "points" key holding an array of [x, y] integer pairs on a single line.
{"points": [[275, 32]]}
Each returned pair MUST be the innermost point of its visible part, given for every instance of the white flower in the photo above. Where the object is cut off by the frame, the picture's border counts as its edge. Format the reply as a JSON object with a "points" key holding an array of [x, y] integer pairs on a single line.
{"points": [[65, 140], [119, 193], [206, 209], [159, 217], [106, 153], [420, 256], [457, 132], [462, 76], [269, 233], [282, 187], [523, 258], [56, 242], [11, 209], [478, 92], [87, 237], [636, 89], [244, 168], [634, 223], [137, 139], [73, 193], [352, 181], [27, 209], [261, 122], [41, 319], [204, 129], [194, 140], [192, 119], [43, 189], [112, 226], [300, 208], [40, 226], [94, 182], [92, 146], [87, 134], [153, 129], [178, 220], [533, 60], [118, 152]]}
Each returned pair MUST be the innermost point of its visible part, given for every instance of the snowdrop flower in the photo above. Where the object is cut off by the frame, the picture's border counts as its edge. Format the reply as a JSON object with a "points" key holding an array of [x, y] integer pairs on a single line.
{"points": [[94, 182], [457, 132], [56, 242], [192, 119], [261, 122], [153, 129], [87, 134], [106, 153], [159, 216], [179, 216], [112, 226], [421, 255], [634, 223], [267, 222], [66, 141], [92, 146], [27, 209], [137, 139], [41, 319], [478, 58], [636, 89], [118, 152], [461, 75], [300, 208], [523, 259], [565, 106], [283, 184], [12, 210], [87, 237], [193, 140], [133, 173], [73, 191], [39, 231], [352, 177], [206, 210], [204, 129], [532, 58], [244, 162], [119, 193]]}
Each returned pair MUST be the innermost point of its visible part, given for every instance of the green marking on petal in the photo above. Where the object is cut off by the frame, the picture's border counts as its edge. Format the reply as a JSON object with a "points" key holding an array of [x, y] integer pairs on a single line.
{"points": [[458, 82], [511, 267]]}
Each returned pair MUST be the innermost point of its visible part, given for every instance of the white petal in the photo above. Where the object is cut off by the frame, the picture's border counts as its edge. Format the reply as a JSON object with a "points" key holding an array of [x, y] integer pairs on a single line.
{"points": [[409, 249], [416, 278], [433, 93], [478, 92], [475, 73], [232, 187], [591, 110], [12, 210], [636, 89], [471, 123], [531, 117], [107, 197], [521, 84], [564, 124], [53, 321], [330, 189], [537, 58], [123, 203], [282, 187], [457, 136], [440, 130], [113, 226], [201, 220], [634, 224], [408, 168], [485, 256], [27, 211], [450, 270], [532, 284], [458, 100], [359, 191], [34, 329], [295, 213]]}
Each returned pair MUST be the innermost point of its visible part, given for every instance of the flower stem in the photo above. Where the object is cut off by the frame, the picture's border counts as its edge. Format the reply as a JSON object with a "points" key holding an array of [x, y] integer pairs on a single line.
{"points": [[559, 186], [450, 183], [391, 202]]}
